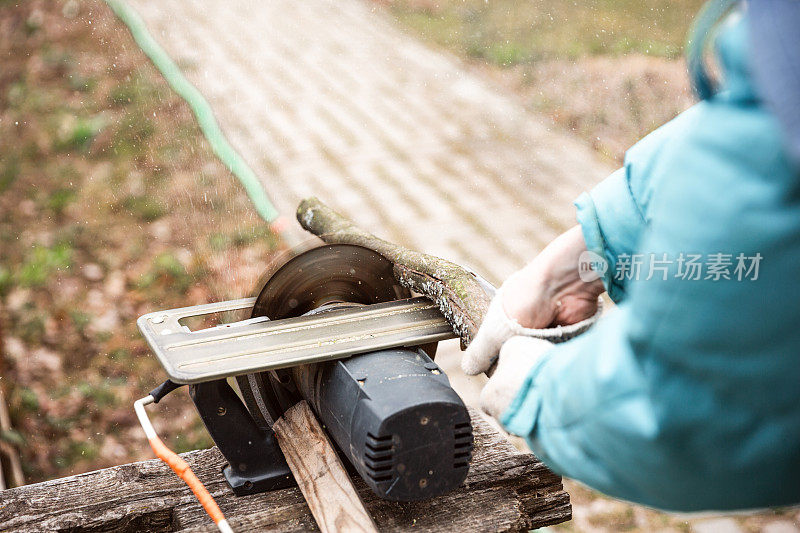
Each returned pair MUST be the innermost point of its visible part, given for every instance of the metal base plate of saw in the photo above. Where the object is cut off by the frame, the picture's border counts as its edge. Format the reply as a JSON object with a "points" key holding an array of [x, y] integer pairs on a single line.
{"points": [[322, 276]]}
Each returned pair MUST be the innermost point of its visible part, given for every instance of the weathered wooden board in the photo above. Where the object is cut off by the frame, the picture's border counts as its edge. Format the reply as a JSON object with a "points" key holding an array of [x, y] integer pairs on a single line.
{"points": [[505, 491], [320, 474]]}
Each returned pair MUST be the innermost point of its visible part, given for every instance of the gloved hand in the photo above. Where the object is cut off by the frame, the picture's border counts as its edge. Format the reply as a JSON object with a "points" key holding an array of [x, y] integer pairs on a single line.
{"points": [[546, 300], [517, 356], [496, 329]]}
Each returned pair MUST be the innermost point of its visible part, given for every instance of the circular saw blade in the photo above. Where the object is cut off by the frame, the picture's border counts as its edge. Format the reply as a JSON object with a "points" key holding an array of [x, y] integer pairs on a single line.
{"points": [[333, 273], [328, 274]]}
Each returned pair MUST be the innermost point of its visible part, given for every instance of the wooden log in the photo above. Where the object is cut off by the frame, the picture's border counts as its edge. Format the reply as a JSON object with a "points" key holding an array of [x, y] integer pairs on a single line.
{"points": [[319, 473], [460, 295], [506, 490]]}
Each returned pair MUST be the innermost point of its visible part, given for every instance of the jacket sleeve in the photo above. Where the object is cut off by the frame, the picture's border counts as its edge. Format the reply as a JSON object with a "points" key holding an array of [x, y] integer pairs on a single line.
{"points": [[585, 412], [614, 214], [611, 223], [585, 408]]}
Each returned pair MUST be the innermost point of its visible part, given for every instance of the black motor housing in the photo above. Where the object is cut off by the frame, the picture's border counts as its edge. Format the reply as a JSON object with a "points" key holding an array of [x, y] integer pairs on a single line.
{"points": [[396, 417]]}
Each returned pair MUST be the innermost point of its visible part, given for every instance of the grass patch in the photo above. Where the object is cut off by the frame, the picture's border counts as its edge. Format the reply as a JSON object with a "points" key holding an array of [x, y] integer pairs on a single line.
{"points": [[195, 440], [133, 90], [243, 237], [80, 320], [29, 401], [9, 171], [60, 199], [12, 437], [507, 32], [77, 133], [102, 394], [42, 262], [6, 280], [135, 128], [74, 452], [166, 272], [31, 329], [144, 207]]}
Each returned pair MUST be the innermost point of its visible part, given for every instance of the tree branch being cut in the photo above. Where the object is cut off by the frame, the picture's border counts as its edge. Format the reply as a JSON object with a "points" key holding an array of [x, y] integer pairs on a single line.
{"points": [[462, 296]]}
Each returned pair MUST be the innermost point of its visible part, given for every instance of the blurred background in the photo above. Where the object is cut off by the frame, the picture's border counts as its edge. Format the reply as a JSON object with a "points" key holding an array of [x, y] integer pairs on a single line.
{"points": [[463, 128]]}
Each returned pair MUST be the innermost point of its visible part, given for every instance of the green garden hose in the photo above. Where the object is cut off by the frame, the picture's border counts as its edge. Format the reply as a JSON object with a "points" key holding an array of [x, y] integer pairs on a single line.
{"points": [[200, 107]]}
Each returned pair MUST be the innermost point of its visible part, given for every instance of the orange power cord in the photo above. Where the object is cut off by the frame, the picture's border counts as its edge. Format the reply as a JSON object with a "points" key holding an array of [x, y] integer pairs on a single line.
{"points": [[180, 467]]}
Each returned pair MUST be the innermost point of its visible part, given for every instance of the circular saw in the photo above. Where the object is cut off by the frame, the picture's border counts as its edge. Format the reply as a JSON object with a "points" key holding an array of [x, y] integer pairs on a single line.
{"points": [[331, 326]]}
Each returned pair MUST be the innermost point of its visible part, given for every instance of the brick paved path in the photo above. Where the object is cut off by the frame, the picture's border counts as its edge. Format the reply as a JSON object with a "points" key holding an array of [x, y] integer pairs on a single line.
{"points": [[327, 97]]}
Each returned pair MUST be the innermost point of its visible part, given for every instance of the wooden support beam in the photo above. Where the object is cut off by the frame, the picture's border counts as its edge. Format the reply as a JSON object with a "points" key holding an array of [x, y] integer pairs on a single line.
{"points": [[506, 490], [329, 492]]}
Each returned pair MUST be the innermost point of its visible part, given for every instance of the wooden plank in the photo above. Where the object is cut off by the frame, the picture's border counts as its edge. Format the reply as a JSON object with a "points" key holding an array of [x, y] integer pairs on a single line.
{"points": [[506, 490], [319, 473]]}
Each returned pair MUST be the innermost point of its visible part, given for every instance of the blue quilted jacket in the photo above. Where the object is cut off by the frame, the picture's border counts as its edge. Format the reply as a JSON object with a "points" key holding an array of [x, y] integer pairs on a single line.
{"points": [[687, 395]]}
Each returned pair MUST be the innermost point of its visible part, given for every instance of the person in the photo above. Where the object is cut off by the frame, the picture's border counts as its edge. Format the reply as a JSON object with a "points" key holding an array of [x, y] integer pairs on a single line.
{"points": [[686, 396]]}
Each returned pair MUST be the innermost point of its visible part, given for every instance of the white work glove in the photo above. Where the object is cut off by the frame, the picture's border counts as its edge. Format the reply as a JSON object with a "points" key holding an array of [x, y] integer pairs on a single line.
{"points": [[498, 327], [517, 356], [551, 289]]}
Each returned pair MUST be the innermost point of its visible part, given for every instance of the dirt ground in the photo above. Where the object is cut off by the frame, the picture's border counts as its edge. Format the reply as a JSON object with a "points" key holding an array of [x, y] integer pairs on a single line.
{"points": [[111, 206], [608, 72], [609, 102]]}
